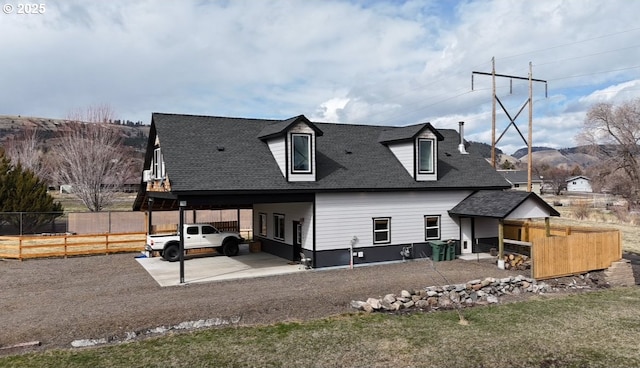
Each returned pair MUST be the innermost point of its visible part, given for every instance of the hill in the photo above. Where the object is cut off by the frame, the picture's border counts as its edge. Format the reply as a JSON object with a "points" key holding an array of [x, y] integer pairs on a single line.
{"points": [[133, 134]]}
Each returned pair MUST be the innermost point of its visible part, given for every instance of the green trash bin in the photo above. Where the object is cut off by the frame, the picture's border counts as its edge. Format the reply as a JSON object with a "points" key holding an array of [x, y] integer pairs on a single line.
{"points": [[450, 254], [438, 250]]}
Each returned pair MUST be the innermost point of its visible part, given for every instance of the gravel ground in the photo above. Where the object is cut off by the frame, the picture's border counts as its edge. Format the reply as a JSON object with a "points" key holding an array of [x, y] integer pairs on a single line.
{"points": [[56, 301]]}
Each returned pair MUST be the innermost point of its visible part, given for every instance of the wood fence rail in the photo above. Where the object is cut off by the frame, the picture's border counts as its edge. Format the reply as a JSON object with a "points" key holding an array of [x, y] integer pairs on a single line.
{"points": [[65, 245], [569, 250]]}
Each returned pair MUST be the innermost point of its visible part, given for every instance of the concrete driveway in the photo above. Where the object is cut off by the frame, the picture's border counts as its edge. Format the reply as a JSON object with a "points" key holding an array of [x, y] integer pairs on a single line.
{"points": [[218, 267]]}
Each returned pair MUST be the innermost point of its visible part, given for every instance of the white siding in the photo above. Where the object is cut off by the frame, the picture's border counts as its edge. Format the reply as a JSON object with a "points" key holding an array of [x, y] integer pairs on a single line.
{"points": [[340, 217], [404, 154], [528, 209], [303, 128], [292, 212], [277, 147], [579, 185]]}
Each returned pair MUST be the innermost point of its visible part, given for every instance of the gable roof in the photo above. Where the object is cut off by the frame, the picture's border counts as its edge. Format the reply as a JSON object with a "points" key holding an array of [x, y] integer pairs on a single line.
{"points": [[519, 176], [406, 133], [279, 128], [348, 158], [497, 204], [578, 177]]}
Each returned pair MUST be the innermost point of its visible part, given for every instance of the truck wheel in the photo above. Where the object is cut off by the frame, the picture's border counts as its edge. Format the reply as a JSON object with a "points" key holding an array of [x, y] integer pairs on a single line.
{"points": [[230, 248], [171, 253]]}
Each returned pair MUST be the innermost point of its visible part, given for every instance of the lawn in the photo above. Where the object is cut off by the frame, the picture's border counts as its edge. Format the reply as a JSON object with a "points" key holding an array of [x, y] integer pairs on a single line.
{"points": [[591, 329]]}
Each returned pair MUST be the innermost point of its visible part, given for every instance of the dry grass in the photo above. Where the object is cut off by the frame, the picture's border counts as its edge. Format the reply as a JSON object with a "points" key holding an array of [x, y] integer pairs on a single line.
{"points": [[596, 329]]}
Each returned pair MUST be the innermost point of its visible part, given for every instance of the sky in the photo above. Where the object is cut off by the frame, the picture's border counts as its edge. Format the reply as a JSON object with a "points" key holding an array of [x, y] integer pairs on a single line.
{"points": [[392, 63]]}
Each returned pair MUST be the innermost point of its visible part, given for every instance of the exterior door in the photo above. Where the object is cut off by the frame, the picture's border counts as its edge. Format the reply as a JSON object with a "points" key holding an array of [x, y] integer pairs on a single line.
{"points": [[297, 240], [466, 235]]}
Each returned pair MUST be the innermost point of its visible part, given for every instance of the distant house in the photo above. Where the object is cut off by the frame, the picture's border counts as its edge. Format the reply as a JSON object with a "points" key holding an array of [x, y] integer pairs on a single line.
{"points": [[579, 184], [519, 180]]}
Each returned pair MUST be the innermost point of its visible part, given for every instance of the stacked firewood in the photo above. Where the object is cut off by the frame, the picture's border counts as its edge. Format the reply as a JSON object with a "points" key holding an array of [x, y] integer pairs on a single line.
{"points": [[514, 261]]}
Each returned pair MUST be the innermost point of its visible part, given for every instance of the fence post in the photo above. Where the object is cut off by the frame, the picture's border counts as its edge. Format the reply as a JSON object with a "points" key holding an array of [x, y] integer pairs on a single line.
{"points": [[65, 245], [107, 236], [20, 249]]}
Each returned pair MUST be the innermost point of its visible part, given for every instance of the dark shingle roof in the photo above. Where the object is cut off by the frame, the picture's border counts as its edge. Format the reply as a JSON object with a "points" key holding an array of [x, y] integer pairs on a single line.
{"points": [[194, 162], [406, 133], [281, 127], [496, 204]]}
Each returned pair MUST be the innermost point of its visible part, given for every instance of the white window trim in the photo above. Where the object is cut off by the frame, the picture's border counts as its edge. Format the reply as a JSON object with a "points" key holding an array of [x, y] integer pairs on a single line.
{"points": [[432, 169], [387, 230], [426, 237], [157, 166], [309, 153]]}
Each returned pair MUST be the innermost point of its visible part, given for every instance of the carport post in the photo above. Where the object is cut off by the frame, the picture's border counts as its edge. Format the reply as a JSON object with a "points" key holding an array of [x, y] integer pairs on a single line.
{"points": [[183, 204], [150, 218], [500, 239]]}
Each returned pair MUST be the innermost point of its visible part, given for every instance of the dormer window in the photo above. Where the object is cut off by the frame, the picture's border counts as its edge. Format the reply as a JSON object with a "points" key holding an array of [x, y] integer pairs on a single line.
{"points": [[301, 153], [425, 156], [157, 166]]}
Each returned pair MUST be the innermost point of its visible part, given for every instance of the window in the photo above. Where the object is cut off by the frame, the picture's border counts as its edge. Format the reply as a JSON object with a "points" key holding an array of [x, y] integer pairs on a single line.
{"points": [[158, 164], [431, 227], [299, 233], [262, 224], [209, 230], [192, 230], [381, 230], [425, 156], [301, 153], [278, 226]]}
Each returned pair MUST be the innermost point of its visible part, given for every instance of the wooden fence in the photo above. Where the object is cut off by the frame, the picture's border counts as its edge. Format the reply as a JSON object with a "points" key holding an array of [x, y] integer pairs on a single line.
{"points": [[23, 247], [569, 250]]}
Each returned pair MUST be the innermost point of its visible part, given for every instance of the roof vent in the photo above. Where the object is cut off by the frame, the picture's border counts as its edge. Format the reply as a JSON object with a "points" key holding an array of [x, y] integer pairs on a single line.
{"points": [[220, 148], [348, 151]]}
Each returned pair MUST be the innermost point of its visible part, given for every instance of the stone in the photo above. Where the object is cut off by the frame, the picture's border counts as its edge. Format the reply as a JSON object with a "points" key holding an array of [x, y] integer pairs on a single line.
{"points": [[397, 306], [444, 302], [415, 298], [473, 297], [386, 305], [374, 303], [476, 287], [367, 308], [402, 299], [432, 301], [486, 282], [460, 287], [454, 297], [357, 304], [475, 282], [405, 294], [431, 293], [492, 299], [389, 298], [409, 304], [422, 304], [525, 284]]}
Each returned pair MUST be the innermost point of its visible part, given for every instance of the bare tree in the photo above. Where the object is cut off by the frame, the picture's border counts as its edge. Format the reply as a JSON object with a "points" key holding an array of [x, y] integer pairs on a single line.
{"points": [[92, 159], [612, 134], [26, 149]]}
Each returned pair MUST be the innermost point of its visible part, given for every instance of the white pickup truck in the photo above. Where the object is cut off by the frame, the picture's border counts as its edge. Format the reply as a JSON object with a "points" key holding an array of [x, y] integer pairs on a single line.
{"points": [[195, 236]]}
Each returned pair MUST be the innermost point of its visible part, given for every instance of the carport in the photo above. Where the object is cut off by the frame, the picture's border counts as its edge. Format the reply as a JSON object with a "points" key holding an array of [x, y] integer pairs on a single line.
{"points": [[218, 268]]}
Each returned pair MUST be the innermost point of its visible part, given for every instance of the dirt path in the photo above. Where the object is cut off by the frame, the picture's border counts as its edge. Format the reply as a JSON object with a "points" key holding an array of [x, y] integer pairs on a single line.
{"points": [[56, 301]]}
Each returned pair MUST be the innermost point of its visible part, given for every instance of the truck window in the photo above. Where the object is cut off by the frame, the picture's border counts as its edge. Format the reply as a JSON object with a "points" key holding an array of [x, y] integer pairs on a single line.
{"points": [[192, 230], [209, 230]]}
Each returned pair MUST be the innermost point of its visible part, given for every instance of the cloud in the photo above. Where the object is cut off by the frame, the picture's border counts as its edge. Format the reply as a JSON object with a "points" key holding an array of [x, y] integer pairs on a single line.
{"points": [[363, 62]]}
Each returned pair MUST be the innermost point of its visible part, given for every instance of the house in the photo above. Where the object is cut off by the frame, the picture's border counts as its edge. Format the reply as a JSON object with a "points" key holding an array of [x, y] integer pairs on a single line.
{"points": [[579, 184], [334, 193], [519, 180]]}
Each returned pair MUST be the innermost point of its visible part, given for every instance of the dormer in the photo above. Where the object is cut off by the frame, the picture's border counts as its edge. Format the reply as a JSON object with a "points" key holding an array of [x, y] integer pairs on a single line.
{"points": [[292, 143], [416, 147]]}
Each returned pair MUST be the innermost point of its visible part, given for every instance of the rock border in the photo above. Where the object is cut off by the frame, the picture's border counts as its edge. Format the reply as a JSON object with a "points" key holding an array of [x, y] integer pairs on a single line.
{"points": [[475, 292]]}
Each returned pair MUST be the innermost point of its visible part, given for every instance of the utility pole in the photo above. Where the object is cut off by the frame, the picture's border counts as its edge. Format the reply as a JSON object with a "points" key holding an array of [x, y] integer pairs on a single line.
{"points": [[529, 102]]}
